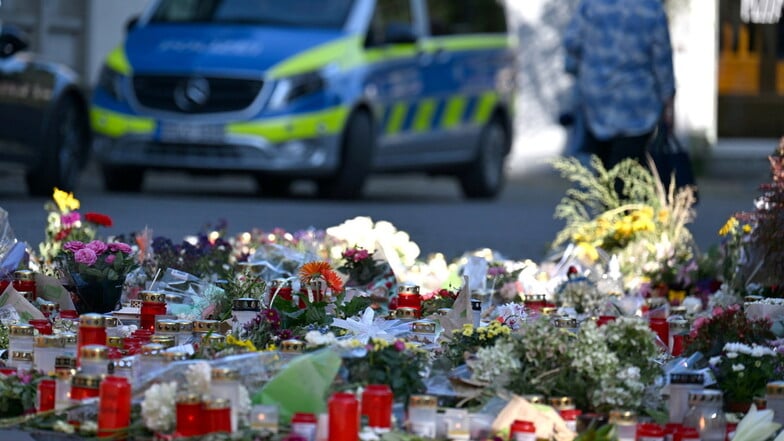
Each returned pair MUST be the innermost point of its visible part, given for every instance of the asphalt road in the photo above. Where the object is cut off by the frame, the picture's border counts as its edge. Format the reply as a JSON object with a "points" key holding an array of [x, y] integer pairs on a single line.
{"points": [[519, 224]]}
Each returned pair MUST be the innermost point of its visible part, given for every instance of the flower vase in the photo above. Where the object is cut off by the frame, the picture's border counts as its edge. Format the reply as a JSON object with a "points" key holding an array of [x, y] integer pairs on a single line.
{"points": [[99, 296]]}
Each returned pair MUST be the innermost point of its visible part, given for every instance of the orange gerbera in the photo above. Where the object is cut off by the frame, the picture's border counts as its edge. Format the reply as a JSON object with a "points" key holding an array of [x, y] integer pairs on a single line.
{"points": [[313, 270]]}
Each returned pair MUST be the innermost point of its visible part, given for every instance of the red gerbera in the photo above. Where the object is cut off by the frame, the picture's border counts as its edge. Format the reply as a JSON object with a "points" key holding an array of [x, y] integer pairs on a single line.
{"points": [[98, 219], [312, 270]]}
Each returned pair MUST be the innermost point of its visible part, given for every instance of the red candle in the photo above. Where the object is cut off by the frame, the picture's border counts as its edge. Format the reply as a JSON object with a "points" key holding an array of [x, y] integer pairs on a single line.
{"points": [[661, 328], [3, 285], [218, 416], [44, 326], [24, 281], [377, 405], [535, 302], [304, 425], [153, 303], [408, 297], [45, 397], [84, 386], [343, 417], [650, 432], [190, 415], [92, 331], [114, 406], [69, 314], [604, 319], [522, 431]]}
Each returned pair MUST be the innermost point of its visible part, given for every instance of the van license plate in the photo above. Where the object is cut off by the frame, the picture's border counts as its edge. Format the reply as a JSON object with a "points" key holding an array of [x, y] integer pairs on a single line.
{"points": [[197, 133]]}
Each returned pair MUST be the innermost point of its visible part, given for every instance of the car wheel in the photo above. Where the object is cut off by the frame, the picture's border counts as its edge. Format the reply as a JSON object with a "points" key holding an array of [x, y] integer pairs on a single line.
{"points": [[122, 179], [273, 186], [484, 177], [356, 159], [65, 148]]}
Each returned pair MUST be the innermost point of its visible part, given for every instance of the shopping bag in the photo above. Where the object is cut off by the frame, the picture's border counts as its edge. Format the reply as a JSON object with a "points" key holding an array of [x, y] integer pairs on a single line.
{"points": [[670, 158]]}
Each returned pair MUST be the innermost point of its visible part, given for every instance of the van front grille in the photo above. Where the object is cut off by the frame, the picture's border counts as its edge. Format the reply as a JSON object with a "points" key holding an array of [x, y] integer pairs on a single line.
{"points": [[195, 95]]}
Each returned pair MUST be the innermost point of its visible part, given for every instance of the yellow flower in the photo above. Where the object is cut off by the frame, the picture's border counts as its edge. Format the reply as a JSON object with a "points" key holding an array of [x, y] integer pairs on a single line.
{"points": [[729, 227], [467, 332], [746, 228], [247, 344], [676, 295], [587, 251], [664, 215], [272, 347], [65, 201]]}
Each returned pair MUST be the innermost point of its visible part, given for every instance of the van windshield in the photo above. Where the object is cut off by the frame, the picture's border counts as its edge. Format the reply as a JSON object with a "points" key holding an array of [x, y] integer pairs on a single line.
{"points": [[297, 13]]}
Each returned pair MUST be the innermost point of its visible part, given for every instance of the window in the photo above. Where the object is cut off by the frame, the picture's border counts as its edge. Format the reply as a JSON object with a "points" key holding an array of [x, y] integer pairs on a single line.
{"points": [[392, 23], [449, 17]]}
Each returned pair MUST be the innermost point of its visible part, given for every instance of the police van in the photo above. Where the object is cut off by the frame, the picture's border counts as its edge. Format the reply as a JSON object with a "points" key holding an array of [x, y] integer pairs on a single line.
{"points": [[324, 90]]}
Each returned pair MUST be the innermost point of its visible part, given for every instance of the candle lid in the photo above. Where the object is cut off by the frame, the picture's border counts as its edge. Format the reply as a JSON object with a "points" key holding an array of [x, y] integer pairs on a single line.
{"points": [[94, 352], [188, 398], [174, 298], [705, 396], [22, 356], [549, 310], [408, 289], [174, 356], [561, 402], [167, 326], [225, 374], [21, 330], [622, 417], [152, 349], [69, 338], [292, 345], [87, 381], [775, 388], [115, 341], [678, 310], [165, 340], [565, 322], [246, 304], [423, 401], [92, 320], [215, 339], [152, 296], [185, 325], [686, 378], [752, 299], [136, 303], [443, 311], [64, 362], [406, 312], [205, 325], [28, 295], [655, 302], [282, 283], [48, 307], [424, 326], [534, 297], [124, 363], [24, 275], [679, 325], [217, 403], [64, 374], [534, 398], [110, 321], [304, 417], [49, 341], [523, 426]]}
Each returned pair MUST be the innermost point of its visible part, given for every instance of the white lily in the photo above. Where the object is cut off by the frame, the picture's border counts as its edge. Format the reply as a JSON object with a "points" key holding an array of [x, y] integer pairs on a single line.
{"points": [[367, 327], [757, 425]]}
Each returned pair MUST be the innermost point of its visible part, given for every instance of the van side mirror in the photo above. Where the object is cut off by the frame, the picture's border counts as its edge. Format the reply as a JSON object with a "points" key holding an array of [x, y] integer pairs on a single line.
{"points": [[399, 33], [12, 40], [131, 23]]}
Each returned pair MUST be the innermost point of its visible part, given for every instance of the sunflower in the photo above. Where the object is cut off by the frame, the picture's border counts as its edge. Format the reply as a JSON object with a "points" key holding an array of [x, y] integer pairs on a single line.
{"points": [[314, 270]]}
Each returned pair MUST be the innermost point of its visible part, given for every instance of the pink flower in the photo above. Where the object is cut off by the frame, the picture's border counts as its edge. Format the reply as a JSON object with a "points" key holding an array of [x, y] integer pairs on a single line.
{"points": [[74, 246], [400, 345], [119, 246], [361, 255], [717, 310], [85, 256], [98, 246], [71, 218], [110, 258], [428, 296]]}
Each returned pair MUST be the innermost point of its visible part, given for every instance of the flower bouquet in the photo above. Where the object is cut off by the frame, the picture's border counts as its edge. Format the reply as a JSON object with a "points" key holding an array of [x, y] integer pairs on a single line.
{"points": [[98, 270], [742, 371]]}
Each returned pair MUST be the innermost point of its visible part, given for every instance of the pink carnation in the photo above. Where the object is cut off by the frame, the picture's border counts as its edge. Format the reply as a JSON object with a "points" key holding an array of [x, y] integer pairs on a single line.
{"points": [[74, 246], [98, 246], [361, 255], [71, 218], [110, 258], [85, 256], [119, 246]]}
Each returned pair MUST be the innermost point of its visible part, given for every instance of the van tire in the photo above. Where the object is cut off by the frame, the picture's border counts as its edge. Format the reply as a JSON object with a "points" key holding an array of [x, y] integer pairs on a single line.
{"points": [[356, 156], [123, 179], [65, 147], [484, 177]]}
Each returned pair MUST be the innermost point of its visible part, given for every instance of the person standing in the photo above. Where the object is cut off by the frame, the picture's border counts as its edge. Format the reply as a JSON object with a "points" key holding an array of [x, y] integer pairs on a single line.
{"points": [[621, 56]]}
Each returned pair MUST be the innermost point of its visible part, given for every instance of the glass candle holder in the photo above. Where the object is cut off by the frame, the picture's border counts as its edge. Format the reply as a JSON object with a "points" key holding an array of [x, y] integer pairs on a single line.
{"points": [[421, 420], [184, 332], [201, 328], [45, 398], [94, 359], [92, 331], [457, 424], [151, 358], [21, 338], [22, 360], [50, 310], [650, 432], [24, 281], [625, 422], [661, 328], [63, 379], [706, 414], [408, 297], [304, 425], [377, 406], [71, 341], [774, 395], [190, 415], [679, 329], [153, 304], [680, 385], [84, 386], [167, 327], [561, 403], [343, 417], [280, 288], [47, 348], [114, 407], [243, 311], [266, 418], [522, 431], [226, 384], [217, 415]]}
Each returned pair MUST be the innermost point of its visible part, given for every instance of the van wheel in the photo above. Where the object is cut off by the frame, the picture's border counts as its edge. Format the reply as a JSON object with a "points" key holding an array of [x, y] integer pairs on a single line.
{"points": [[65, 148], [356, 158], [122, 179], [273, 186], [484, 177]]}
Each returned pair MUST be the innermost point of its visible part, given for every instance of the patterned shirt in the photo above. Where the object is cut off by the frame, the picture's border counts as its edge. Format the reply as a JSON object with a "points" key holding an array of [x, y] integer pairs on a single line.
{"points": [[620, 52]]}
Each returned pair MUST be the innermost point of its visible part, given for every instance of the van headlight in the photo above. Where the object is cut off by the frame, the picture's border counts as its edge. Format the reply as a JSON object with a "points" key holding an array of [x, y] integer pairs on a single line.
{"points": [[291, 88], [112, 82]]}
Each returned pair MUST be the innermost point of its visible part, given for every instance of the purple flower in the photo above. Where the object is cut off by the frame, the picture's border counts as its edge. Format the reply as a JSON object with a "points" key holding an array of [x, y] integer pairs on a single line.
{"points": [[74, 246], [98, 246], [494, 271], [71, 218], [85, 256], [400, 345], [110, 259], [119, 246]]}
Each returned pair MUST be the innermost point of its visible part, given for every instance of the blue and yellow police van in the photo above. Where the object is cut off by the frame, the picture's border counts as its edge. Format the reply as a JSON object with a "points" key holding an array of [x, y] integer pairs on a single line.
{"points": [[323, 90]]}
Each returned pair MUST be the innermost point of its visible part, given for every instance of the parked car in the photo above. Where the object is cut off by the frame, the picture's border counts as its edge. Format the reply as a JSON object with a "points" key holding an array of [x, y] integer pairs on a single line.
{"points": [[328, 90], [45, 130]]}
